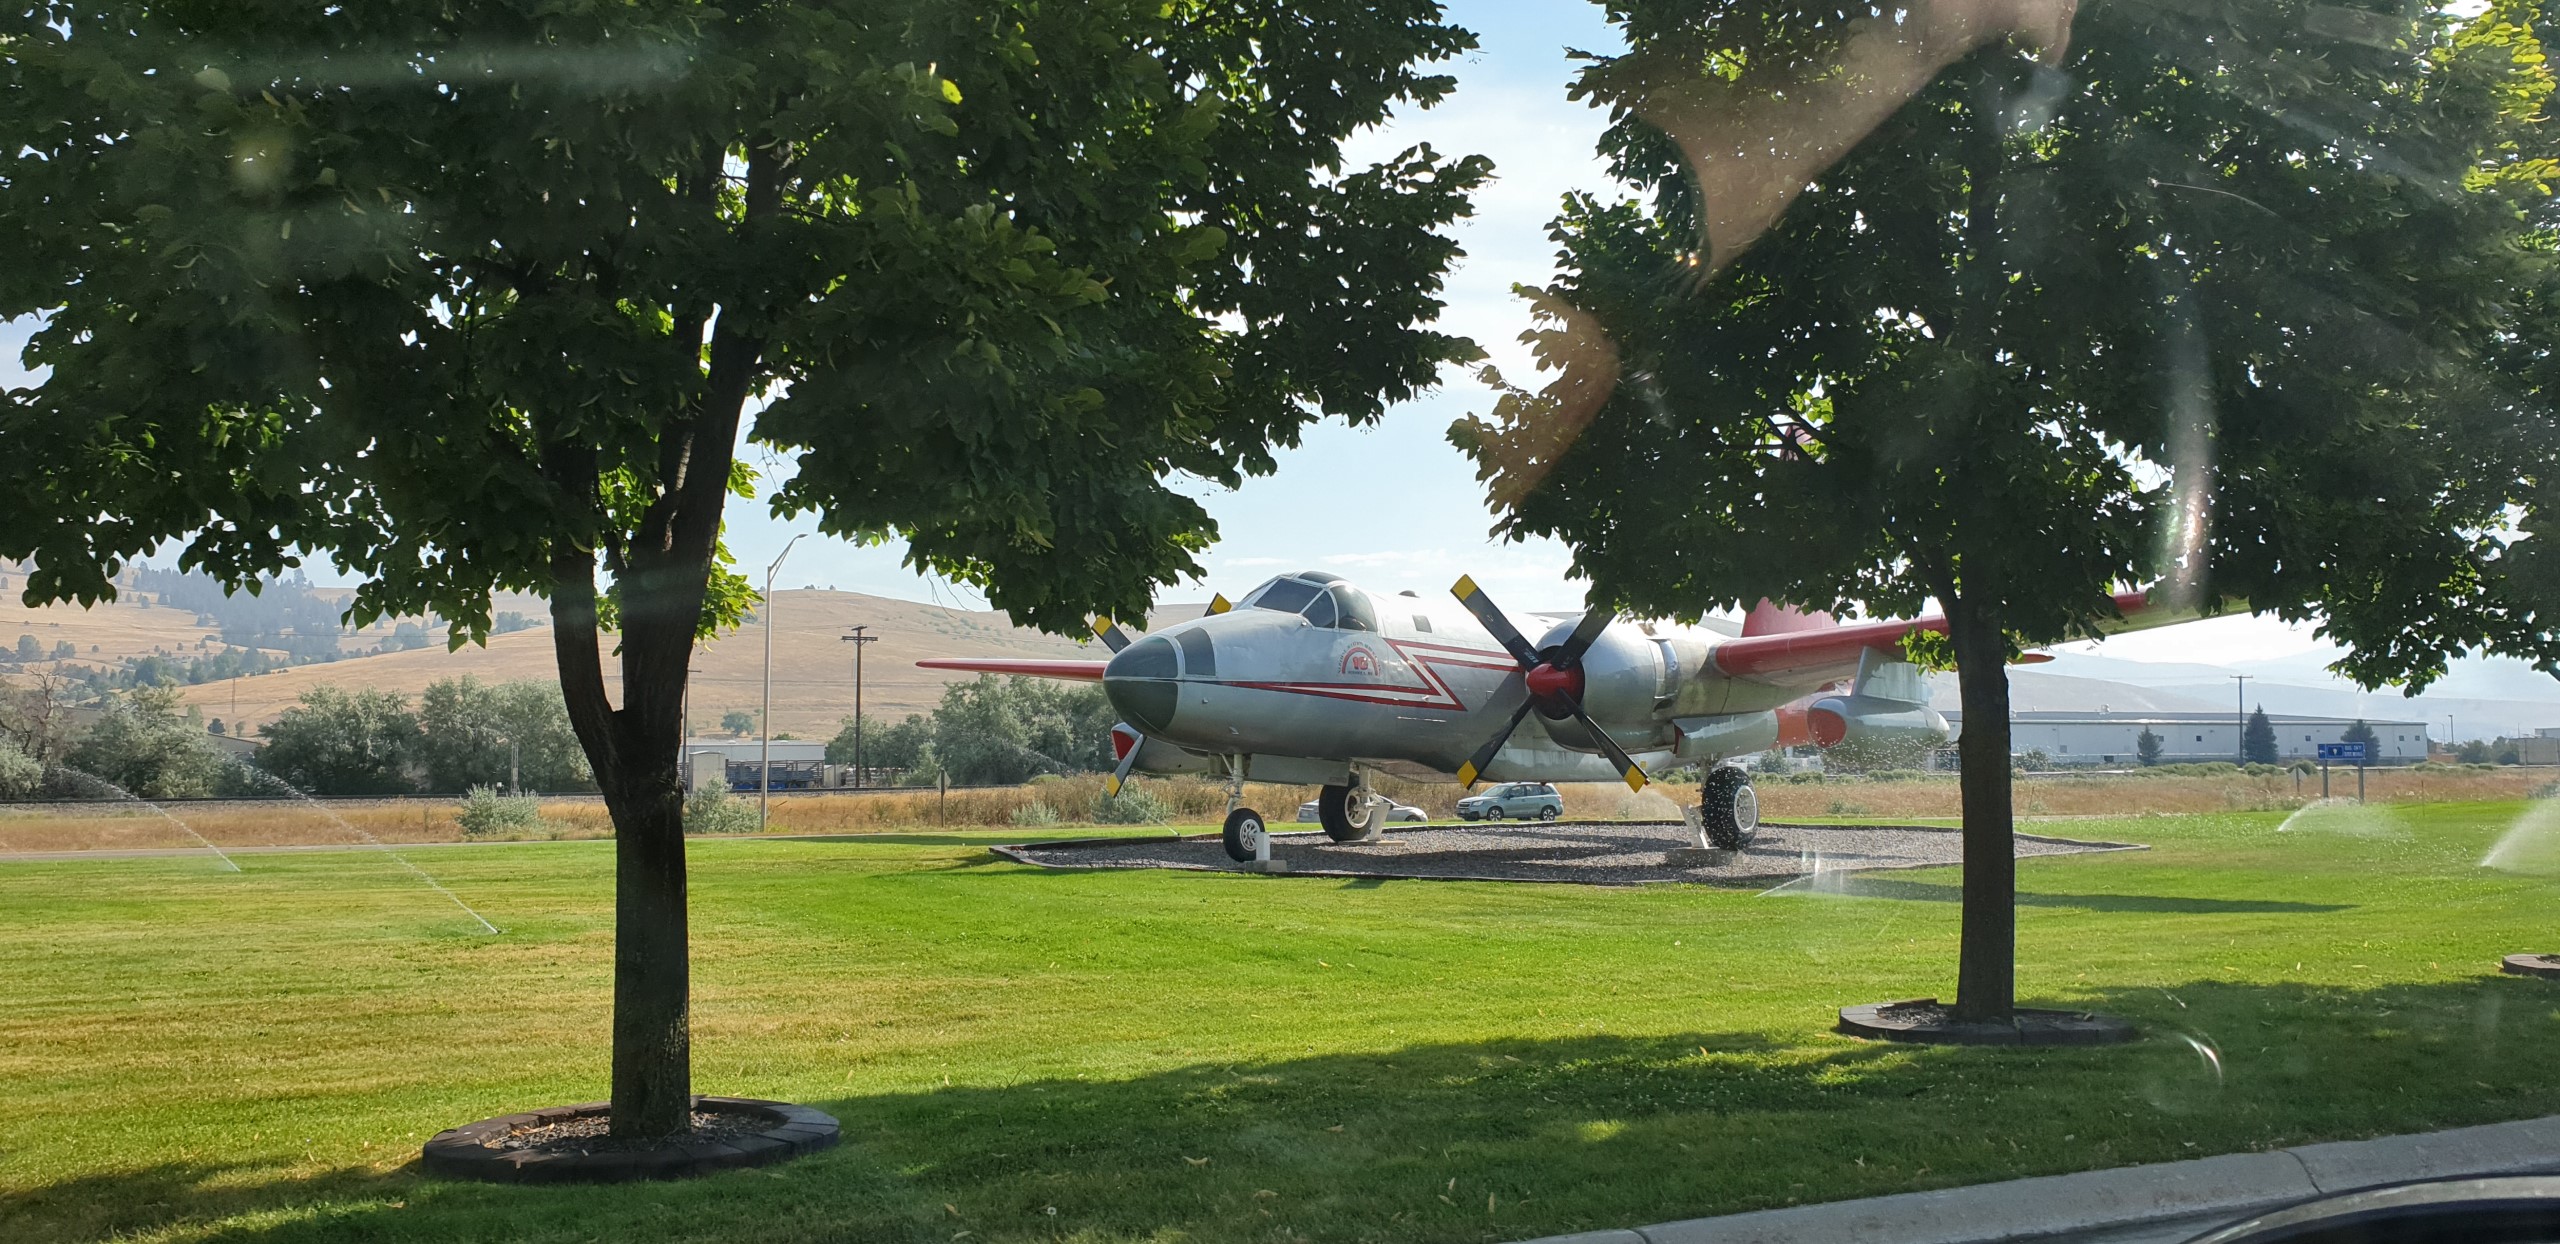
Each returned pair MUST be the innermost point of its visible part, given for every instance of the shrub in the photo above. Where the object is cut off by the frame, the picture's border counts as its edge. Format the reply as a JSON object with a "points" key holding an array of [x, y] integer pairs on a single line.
{"points": [[20, 774], [486, 812], [1900, 775], [1842, 807], [713, 810], [1034, 816], [1134, 805]]}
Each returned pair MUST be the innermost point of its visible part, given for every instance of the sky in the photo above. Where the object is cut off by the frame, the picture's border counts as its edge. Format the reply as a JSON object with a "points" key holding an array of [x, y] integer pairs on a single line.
{"points": [[1393, 506]]}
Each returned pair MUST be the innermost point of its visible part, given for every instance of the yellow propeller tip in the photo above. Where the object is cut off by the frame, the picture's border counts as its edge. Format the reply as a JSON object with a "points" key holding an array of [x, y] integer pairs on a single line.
{"points": [[1465, 587], [1466, 775], [1635, 780]]}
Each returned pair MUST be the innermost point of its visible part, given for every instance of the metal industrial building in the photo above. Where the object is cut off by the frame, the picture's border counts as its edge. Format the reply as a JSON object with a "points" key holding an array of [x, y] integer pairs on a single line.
{"points": [[2102, 738]]}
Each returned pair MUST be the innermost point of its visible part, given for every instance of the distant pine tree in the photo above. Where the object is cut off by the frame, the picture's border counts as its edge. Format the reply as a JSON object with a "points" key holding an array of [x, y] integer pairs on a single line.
{"points": [[2146, 747], [2258, 741]]}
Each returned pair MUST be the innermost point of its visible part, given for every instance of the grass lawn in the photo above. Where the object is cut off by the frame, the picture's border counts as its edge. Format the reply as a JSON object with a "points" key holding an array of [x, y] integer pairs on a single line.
{"points": [[193, 1054]]}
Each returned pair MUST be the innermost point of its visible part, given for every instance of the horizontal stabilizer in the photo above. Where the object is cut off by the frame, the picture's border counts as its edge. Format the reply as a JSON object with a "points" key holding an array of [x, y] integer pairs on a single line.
{"points": [[1073, 671]]}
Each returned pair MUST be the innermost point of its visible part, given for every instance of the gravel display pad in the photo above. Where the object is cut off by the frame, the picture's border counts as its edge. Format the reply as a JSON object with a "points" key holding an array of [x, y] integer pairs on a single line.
{"points": [[567, 1144], [1579, 852], [2545, 966]]}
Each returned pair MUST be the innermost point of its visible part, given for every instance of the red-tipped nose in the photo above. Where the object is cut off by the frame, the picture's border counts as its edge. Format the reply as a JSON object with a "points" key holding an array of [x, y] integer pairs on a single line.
{"points": [[1548, 685]]}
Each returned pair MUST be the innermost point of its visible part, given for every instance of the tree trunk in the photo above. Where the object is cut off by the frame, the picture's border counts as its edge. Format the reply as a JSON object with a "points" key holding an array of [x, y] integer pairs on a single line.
{"points": [[652, 965], [633, 751], [1987, 958]]}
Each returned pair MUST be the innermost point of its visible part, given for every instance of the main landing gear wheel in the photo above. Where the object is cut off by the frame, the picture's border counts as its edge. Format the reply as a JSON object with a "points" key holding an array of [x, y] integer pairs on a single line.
{"points": [[1245, 835], [1728, 809], [1348, 813]]}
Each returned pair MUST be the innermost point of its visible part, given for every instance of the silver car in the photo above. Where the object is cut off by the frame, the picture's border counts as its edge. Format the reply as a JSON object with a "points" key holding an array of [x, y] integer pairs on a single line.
{"points": [[1395, 812]]}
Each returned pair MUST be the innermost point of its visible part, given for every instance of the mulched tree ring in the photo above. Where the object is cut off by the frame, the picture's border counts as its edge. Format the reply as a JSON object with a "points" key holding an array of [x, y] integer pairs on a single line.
{"points": [[568, 1144], [1924, 1021], [2544, 966]]}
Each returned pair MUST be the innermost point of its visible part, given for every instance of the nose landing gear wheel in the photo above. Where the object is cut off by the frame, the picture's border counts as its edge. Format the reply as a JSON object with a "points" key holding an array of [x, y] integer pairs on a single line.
{"points": [[1245, 837], [1729, 809]]}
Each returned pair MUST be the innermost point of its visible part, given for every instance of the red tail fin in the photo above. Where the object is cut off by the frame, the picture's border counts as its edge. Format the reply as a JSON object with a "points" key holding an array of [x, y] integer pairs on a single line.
{"points": [[1771, 618]]}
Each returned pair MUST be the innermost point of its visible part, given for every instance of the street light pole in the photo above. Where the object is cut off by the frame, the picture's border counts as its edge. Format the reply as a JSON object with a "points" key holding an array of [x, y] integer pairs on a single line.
{"points": [[858, 639], [2242, 703], [764, 762]]}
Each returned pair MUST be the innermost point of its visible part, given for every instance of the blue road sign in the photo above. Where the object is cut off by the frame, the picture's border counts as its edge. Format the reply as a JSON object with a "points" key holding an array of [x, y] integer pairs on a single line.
{"points": [[2352, 753]]}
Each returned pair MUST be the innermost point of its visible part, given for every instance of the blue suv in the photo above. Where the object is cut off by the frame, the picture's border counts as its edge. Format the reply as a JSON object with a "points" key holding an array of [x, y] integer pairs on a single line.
{"points": [[1516, 801]]}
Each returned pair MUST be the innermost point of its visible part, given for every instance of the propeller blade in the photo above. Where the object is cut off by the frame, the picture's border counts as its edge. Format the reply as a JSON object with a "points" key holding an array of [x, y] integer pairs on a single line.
{"points": [[1490, 616], [1111, 785], [1585, 633], [1628, 769], [1474, 768], [1108, 631], [1218, 604]]}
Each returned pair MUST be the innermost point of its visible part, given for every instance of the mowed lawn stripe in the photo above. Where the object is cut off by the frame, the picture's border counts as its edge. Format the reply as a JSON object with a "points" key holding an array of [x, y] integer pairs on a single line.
{"points": [[1028, 1055]]}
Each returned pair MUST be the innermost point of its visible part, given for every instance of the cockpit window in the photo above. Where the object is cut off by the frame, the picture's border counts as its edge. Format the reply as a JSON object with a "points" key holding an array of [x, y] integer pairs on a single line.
{"points": [[1283, 596], [1352, 605], [1339, 606]]}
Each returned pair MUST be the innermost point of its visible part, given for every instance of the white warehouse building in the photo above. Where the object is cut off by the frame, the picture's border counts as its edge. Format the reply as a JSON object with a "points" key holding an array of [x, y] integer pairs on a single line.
{"points": [[2109, 739]]}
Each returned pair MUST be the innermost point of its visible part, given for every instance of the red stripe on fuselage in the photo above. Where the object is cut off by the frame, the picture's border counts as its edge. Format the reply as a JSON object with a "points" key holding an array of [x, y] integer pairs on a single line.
{"points": [[1434, 693]]}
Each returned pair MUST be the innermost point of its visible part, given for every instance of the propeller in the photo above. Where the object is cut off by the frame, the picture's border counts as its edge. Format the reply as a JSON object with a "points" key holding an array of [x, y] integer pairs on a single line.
{"points": [[1108, 631], [1128, 740], [1553, 680]]}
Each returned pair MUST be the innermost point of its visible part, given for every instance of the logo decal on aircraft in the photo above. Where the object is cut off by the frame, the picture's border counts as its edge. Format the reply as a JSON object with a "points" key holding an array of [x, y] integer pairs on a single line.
{"points": [[1360, 660]]}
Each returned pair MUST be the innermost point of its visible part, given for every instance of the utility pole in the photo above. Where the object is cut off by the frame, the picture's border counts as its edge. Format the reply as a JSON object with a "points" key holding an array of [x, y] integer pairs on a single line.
{"points": [[858, 639], [764, 761], [2243, 709]]}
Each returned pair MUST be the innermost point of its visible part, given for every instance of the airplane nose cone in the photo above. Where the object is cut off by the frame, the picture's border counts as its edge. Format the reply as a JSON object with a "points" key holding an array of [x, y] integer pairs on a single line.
{"points": [[1140, 683]]}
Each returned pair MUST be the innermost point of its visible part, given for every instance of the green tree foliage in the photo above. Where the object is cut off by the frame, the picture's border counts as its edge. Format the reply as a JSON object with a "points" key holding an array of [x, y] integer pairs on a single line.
{"points": [[884, 746], [2258, 739], [2472, 752], [336, 742], [998, 731], [466, 727], [29, 649], [2360, 733], [475, 297], [2205, 296], [150, 744], [2147, 746], [738, 721], [21, 775]]}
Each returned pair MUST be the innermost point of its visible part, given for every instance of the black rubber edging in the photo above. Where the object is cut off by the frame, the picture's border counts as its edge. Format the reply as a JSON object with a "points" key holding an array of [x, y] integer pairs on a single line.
{"points": [[469, 1152], [2030, 1026], [2545, 966]]}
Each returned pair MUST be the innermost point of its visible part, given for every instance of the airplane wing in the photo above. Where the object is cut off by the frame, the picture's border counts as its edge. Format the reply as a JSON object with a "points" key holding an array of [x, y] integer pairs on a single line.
{"points": [[1804, 655], [1073, 671]]}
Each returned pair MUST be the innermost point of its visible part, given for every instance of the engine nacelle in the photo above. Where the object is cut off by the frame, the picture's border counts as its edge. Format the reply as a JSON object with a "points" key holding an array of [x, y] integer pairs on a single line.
{"points": [[1869, 721], [1156, 756]]}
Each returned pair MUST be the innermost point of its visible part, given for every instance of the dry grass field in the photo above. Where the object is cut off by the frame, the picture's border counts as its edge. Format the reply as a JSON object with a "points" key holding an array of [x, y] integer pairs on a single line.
{"points": [[1197, 804]]}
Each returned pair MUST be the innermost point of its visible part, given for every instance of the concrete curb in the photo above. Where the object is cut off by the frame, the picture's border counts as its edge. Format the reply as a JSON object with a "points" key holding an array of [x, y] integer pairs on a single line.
{"points": [[2168, 1201]]}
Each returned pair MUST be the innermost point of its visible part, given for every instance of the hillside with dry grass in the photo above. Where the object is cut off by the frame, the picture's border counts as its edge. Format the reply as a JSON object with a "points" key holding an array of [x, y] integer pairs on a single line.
{"points": [[812, 666]]}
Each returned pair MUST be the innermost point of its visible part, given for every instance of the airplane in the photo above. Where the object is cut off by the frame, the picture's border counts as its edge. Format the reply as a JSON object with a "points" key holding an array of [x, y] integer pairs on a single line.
{"points": [[1310, 680]]}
